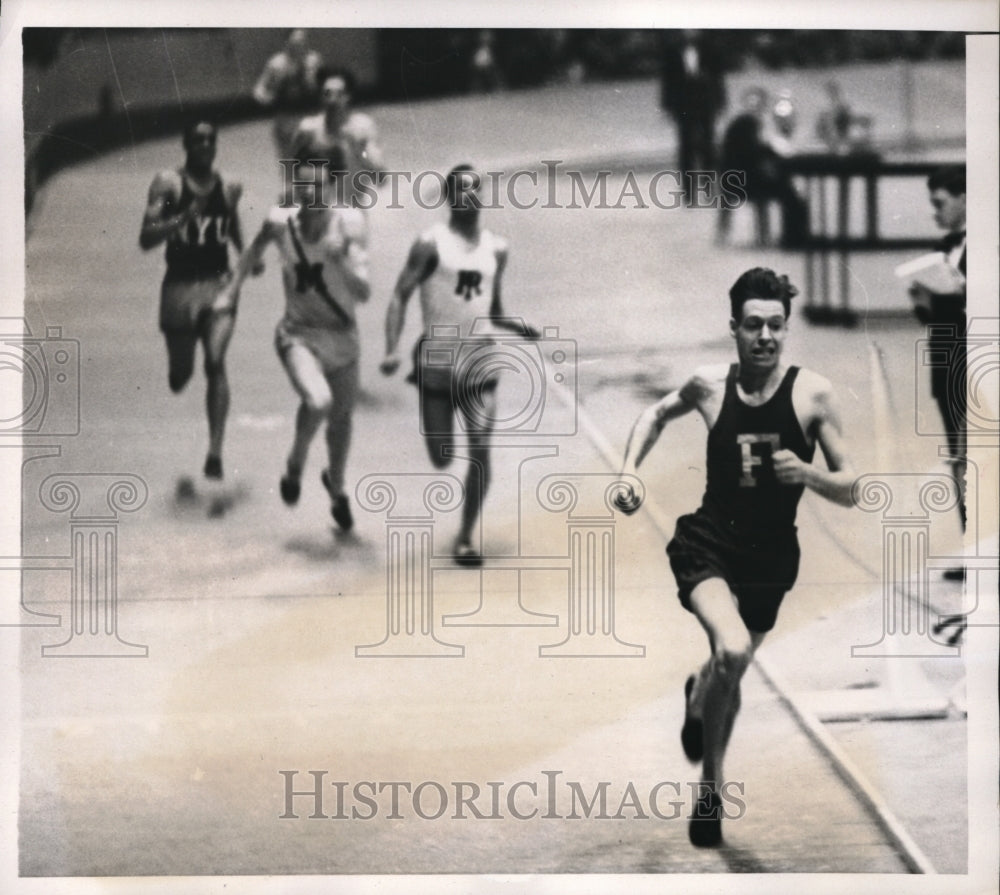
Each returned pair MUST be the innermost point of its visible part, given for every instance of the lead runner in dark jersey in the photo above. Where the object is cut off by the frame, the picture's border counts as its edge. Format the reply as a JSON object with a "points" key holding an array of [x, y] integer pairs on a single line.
{"points": [[193, 210], [737, 555]]}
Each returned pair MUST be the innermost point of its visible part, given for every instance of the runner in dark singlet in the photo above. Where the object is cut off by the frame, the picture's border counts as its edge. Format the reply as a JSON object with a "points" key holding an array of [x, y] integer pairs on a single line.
{"points": [[746, 515], [737, 555], [193, 210]]}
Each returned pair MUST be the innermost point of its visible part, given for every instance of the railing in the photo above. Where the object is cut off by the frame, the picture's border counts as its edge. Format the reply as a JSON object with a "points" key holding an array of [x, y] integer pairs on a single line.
{"points": [[822, 243]]}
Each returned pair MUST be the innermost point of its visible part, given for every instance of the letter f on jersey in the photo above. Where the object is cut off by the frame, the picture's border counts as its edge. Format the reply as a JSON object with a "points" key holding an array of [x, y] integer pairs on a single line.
{"points": [[751, 460]]}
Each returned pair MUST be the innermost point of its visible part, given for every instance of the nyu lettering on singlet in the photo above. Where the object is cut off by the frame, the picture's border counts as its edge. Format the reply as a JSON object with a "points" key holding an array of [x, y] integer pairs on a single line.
{"points": [[199, 249], [460, 289], [743, 493]]}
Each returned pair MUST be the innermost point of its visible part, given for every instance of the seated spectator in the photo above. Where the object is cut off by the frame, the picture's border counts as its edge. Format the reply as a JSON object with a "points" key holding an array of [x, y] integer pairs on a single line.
{"points": [[748, 149], [839, 128], [833, 127]]}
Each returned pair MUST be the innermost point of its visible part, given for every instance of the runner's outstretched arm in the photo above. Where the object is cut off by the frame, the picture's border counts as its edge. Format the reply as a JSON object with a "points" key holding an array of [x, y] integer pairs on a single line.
{"points": [[161, 218], [648, 426], [355, 259], [248, 261], [646, 431], [514, 325], [419, 265]]}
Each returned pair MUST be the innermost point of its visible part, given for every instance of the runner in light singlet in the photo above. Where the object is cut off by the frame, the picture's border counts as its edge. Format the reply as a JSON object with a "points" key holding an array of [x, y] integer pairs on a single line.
{"points": [[458, 268], [325, 270]]}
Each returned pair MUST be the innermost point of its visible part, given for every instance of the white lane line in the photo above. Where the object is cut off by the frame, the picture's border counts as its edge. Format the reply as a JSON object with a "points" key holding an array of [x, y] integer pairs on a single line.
{"points": [[914, 858], [850, 773]]}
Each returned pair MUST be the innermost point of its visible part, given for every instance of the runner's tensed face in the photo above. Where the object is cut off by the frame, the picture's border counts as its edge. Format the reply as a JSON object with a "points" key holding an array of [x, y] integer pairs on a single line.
{"points": [[296, 45], [760, 332], [463, 193], [335, 94], [200, 144], [309, 190]]}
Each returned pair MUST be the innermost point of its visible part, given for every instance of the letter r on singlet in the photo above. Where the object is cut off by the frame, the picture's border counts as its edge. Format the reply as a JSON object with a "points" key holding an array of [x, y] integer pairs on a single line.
{"points": [[468, 283], [749, 458]]}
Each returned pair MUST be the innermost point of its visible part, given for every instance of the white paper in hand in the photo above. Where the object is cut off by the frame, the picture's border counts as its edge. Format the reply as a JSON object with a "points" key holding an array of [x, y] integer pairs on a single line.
{"points": [[934, 272]]}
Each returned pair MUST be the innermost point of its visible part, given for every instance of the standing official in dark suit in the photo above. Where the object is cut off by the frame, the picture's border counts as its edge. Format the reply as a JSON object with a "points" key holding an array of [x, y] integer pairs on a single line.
{"points": [[693, 92], [945, 315]]}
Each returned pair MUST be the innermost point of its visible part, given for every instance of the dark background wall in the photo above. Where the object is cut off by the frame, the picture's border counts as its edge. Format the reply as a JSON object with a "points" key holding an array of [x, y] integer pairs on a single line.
{"points": [[88, 90]]}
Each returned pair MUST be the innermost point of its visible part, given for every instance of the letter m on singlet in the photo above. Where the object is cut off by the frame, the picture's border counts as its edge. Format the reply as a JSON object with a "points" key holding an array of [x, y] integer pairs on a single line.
{"points": [[468, 283], [750, 458], [309, 276]]}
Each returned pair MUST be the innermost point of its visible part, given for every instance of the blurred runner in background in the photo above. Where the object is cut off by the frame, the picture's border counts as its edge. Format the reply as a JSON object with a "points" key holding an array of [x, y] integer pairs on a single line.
{"points": [[339, 129], [288, 85]]}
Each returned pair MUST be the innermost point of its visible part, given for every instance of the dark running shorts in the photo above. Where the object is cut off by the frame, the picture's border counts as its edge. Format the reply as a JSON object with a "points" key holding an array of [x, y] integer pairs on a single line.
{"points": [[758, 572]]}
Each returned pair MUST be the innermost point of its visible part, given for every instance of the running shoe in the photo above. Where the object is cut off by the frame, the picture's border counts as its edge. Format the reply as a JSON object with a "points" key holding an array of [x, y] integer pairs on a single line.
{"points": [[290, 487], [693, 731], [466, 555], [340, 507], [213, 467], [705, 827]]}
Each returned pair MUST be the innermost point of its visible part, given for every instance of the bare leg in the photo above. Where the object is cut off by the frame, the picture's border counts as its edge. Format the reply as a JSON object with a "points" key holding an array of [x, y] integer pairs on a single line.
{"points": [[216, 336], [180, 357], [307, 421], [437, 416], [718, 694], [306, 375], [756, 638], [344, 387], [477, 481]]}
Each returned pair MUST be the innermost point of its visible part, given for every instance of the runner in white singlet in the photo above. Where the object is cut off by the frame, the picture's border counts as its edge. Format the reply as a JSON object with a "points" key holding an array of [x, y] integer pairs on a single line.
{"points": [[458, 268], [325, 271]]}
